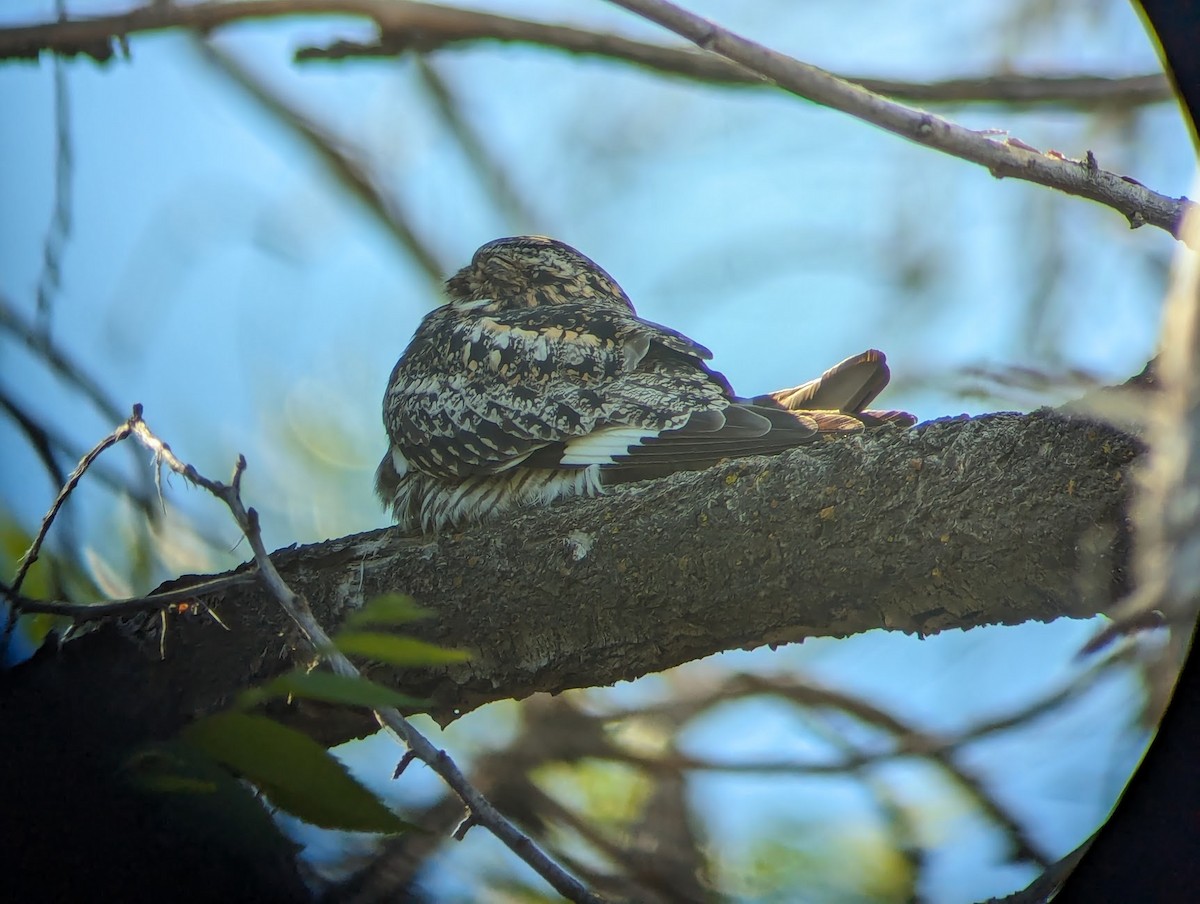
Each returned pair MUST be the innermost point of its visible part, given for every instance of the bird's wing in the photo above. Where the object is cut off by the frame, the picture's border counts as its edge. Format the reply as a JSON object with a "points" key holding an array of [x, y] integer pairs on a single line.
{"points": [[674, 414], [480, 392], [568, 387]]}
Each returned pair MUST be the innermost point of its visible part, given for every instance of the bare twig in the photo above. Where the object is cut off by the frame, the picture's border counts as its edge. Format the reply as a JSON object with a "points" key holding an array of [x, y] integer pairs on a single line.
{"points": [[909, 740], [1080, 92], [31, 554], [139, 488], [83, 612], [1002, 156], [473, 145], [297, 608], [39, 437], [50, 444], [422, 27], [45, 444]]}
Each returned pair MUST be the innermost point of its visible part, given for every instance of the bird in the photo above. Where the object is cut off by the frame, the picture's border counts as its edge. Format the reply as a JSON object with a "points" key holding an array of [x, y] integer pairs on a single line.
{"points": [[536, 380]]}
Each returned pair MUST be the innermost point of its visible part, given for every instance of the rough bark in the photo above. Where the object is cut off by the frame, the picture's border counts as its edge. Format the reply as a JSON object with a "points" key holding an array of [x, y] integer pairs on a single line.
{"points": [[1000, 519]]}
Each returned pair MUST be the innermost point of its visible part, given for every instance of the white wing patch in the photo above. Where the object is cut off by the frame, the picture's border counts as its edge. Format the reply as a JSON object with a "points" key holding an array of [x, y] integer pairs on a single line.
{"points": [[605, 445]]}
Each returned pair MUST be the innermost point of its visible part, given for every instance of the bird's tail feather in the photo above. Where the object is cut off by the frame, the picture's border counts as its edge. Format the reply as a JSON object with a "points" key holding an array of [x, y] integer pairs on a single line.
{"points": [[846, 388]]}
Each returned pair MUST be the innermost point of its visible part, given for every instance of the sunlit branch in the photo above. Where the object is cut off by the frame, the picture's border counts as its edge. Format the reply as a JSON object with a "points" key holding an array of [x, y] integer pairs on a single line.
{"points": [[406, 26], [31, 554], [1003, 156]]}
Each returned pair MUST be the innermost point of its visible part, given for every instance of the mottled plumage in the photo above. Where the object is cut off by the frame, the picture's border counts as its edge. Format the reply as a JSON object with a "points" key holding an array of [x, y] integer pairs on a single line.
{"points": [[538, 380]]}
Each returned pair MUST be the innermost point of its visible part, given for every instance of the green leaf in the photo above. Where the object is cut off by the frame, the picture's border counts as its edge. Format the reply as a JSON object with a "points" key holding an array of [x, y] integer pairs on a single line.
{"points": [[387, 609], [330, 688], [294, 771], [395, 649]]}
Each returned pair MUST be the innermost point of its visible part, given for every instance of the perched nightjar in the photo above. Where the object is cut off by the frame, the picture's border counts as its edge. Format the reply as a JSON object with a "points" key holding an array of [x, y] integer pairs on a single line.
{"points": [[537, 380]]}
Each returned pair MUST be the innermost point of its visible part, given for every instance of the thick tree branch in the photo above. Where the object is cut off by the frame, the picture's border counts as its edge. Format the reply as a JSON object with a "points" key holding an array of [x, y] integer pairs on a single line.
{"points": [[997, 520]]}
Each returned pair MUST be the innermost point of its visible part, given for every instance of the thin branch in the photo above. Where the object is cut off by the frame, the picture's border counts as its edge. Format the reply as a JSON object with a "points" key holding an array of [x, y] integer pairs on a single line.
{"points": [[49, 443], [1080, 92], [31, 555], [60, 221], [75, 376], [84, 612], [38, 436], [298, 610], [474, 147], [421, 27], [1002, 156], [57, 360], [911, 742], [45, 444], [549, 808]]}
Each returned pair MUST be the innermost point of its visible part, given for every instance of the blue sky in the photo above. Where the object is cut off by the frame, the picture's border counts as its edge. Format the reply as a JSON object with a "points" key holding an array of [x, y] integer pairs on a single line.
{"points": [[216, 274]]}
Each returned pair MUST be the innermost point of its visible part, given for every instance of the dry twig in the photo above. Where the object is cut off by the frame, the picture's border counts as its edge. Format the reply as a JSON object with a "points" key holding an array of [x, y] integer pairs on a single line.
{"points": [[297, 608], [421, 27], [1003, 156]]}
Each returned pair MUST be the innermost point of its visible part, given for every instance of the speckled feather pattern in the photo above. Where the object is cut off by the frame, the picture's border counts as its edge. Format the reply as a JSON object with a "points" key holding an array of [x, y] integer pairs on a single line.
{"points": [[538, 380]]}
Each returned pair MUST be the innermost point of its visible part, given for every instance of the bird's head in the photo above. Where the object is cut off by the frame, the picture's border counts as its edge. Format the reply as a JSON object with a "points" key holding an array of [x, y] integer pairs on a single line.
{"points": [[526, 271]]}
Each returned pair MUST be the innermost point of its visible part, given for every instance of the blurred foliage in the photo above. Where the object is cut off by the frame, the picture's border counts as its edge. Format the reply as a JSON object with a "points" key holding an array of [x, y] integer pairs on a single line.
{"points": [[612, 795], [293, 771], [50, 577]]}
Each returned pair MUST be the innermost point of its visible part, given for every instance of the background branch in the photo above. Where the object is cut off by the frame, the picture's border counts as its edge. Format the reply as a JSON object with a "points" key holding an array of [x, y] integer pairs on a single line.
{"points": [[1003, 157], [1080, 92], [425, 28], [341, 162], [40, 344], [60, 218]]}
